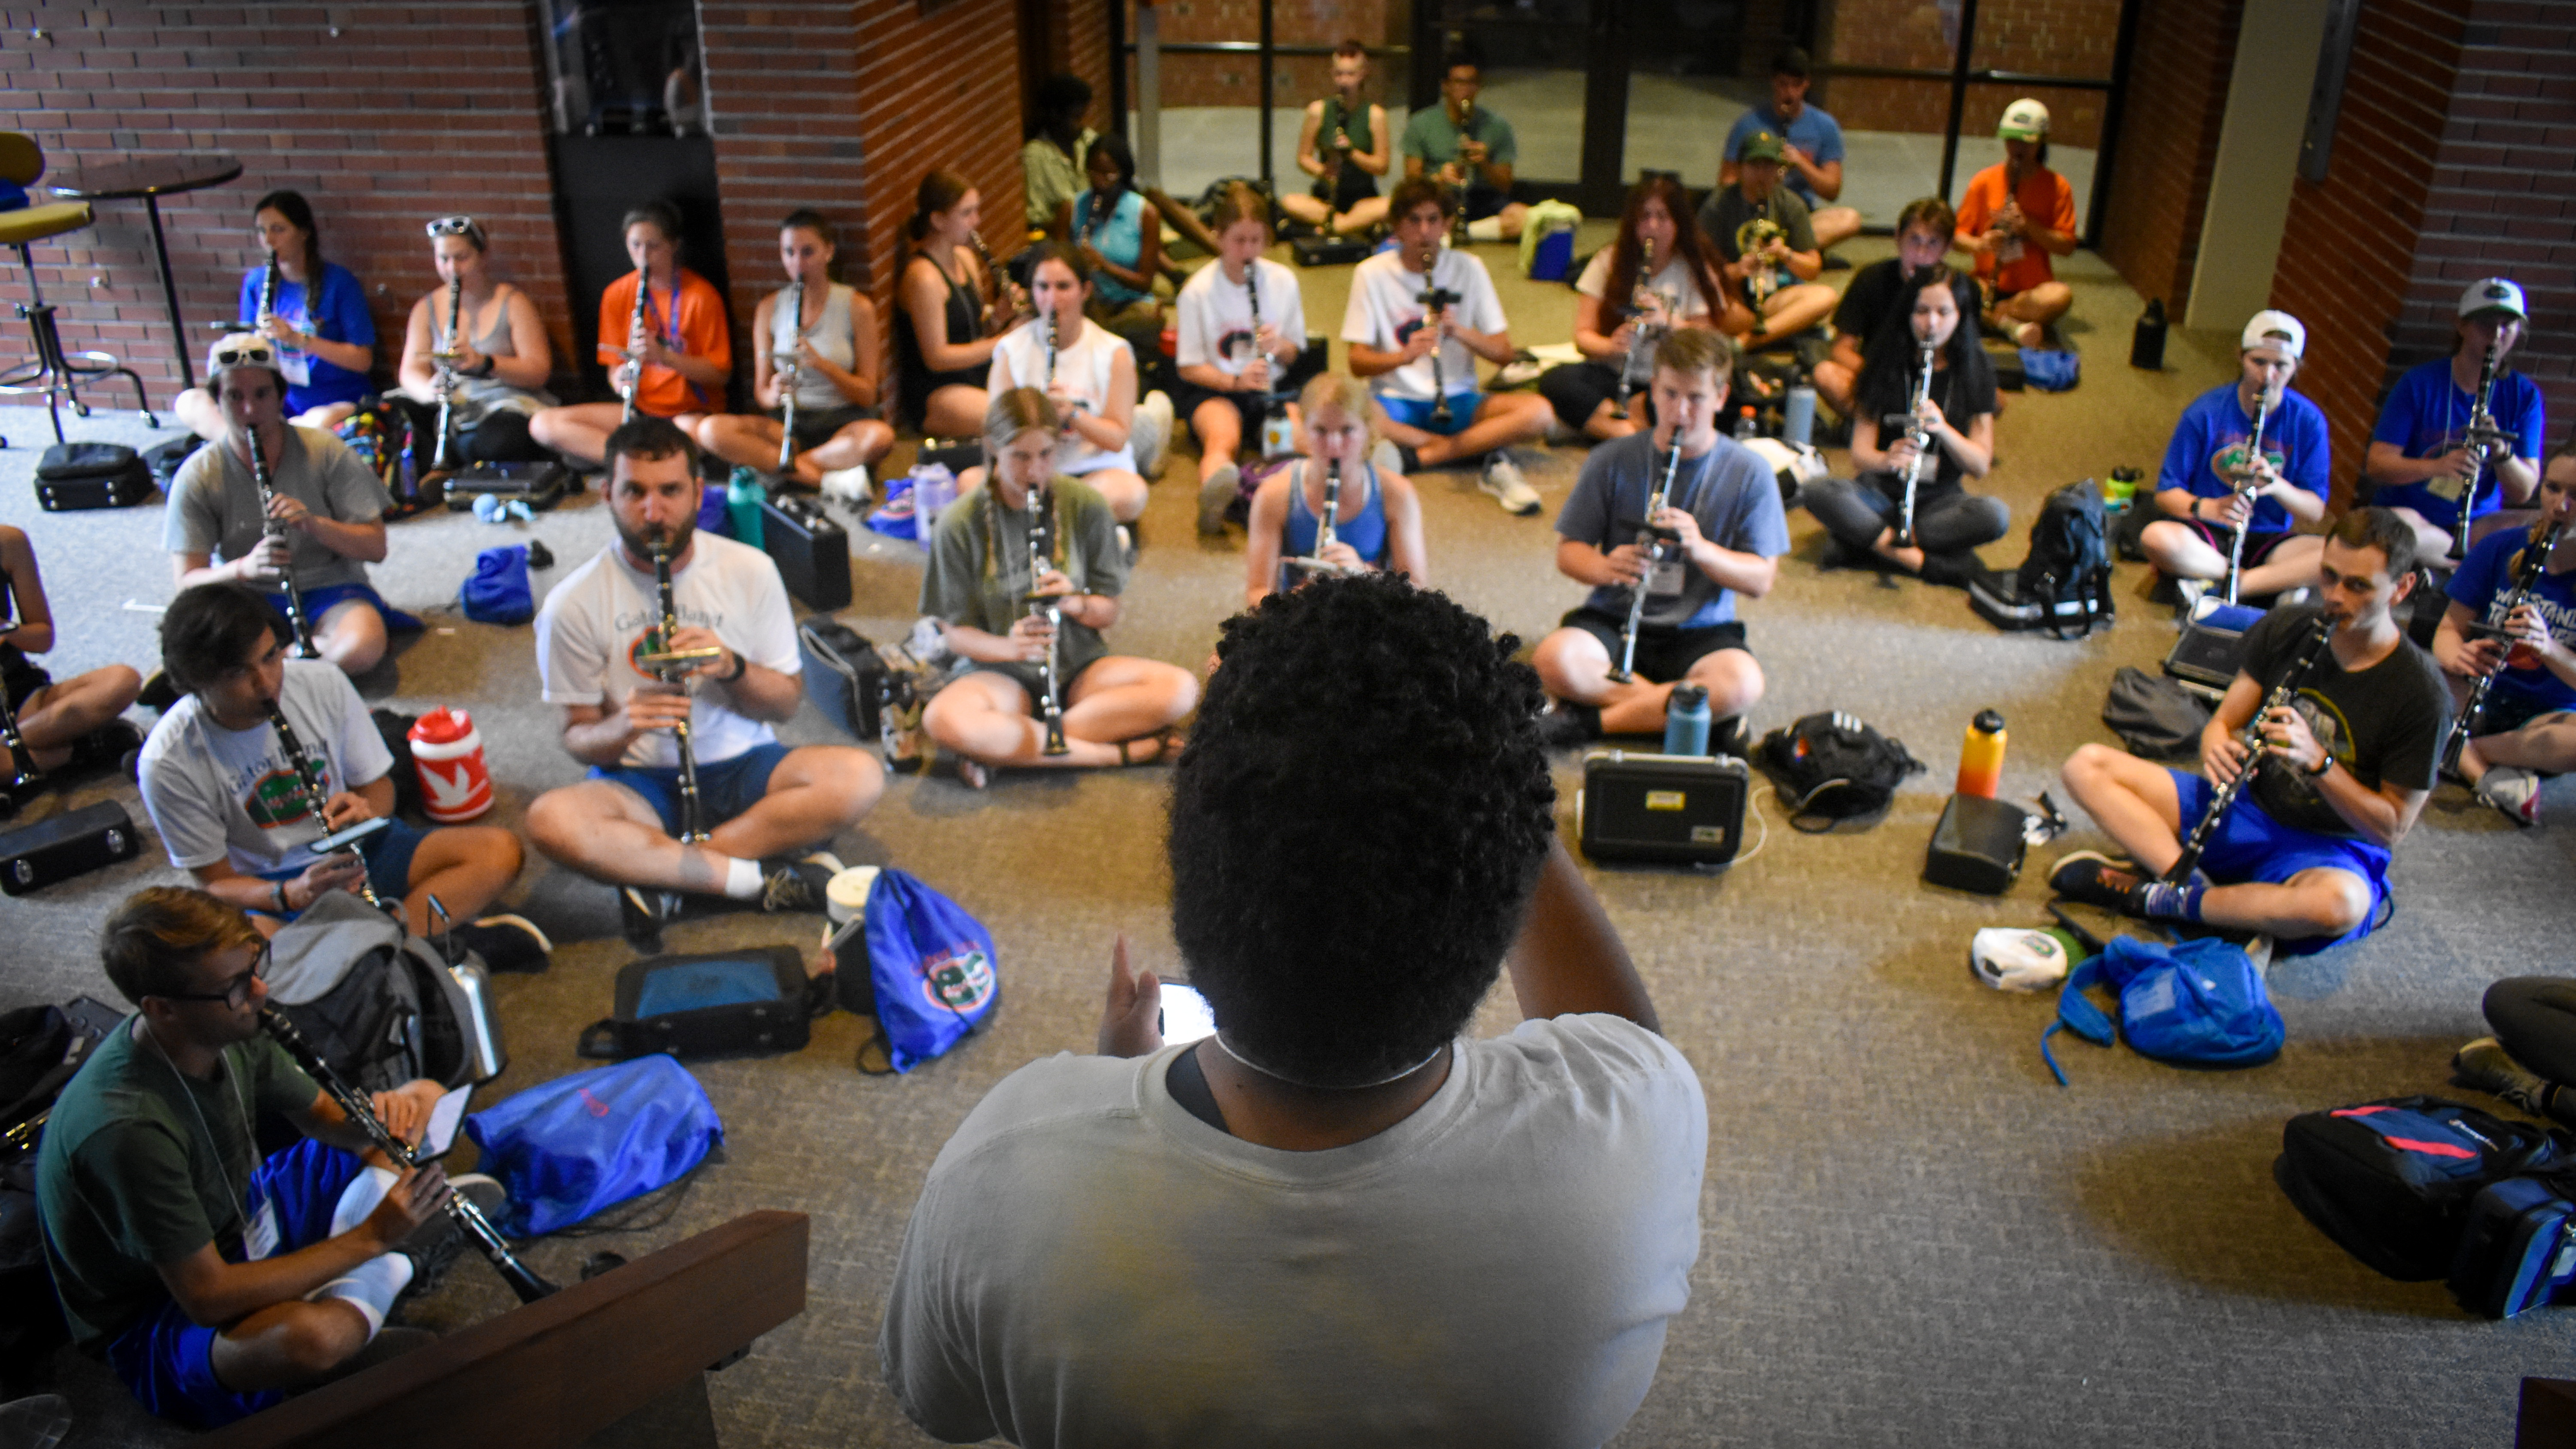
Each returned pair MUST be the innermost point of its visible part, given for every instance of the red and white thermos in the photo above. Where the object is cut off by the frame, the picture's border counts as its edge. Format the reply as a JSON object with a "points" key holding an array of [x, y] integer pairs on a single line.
{"points": [[455, 785]]}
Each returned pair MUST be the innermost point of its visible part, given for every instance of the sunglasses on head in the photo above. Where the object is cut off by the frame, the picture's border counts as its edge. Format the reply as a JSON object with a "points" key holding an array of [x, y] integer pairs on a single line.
{"points": [[252, 354], [463, 226]]}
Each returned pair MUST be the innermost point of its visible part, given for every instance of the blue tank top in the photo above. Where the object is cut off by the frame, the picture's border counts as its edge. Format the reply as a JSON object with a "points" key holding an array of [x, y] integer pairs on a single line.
{"points": [[1121, 238], [1363, 528]]}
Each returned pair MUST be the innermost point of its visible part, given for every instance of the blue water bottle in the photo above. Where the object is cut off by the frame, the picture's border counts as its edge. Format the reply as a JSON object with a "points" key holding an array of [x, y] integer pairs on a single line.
{"points": [[1799, 426], [743, 497], [1686, 720]]}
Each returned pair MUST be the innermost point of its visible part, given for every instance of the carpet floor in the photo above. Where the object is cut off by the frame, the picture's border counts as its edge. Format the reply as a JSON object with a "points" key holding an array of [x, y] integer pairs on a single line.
{"points": [[1912, 1235]]}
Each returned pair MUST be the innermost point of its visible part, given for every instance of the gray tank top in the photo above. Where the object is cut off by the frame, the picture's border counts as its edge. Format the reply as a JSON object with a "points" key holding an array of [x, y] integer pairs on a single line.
{"points": [[478, 395], [832, 335]]}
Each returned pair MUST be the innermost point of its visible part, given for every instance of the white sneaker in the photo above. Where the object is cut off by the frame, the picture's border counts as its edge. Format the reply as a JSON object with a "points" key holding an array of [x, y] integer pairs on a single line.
{"points": [[1216, 495], [1151, 429], [2512, 790], [1502, 478], [848, 485], [2189, 593]]}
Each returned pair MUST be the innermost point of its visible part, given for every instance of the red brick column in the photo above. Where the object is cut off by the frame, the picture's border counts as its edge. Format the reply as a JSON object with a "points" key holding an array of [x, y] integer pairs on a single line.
{"points": [[2178, 79]]}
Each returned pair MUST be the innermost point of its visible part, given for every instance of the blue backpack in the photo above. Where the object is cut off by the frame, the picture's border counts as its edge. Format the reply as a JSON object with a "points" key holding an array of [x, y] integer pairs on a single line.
{"points": [[2197, 1004], [931, 977], [499, 592], [581, 1144]]}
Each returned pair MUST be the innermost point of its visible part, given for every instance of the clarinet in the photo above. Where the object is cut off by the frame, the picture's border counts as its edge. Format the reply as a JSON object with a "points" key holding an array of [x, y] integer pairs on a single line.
{"points": [[271, 528], [992, 287], [2483, 437], [1653, 539], [1041, 545], [2251, 738], [2253, 455], [1271, 413], [1628, 363], [1466, 173], [447, 374], [267, 293], [18, 766], [308, 782], [670, 666], [362, 1113], [1435, 301], [788, 367], [635, 342], [1050, 351], [2527, 569], [1325, 535], [1921, 437]]}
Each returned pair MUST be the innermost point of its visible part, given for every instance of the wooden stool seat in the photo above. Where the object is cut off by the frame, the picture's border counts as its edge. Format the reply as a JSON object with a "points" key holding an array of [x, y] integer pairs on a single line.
{"points": [[35, 223]]}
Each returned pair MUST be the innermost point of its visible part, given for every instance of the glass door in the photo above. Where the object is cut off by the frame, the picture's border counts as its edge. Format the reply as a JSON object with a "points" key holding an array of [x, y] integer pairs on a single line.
{"points": [[1553, 70]]}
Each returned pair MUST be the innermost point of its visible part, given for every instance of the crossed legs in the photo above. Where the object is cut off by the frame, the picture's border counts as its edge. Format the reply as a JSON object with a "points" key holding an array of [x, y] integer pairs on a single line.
{"points": [[984, 716], [1574, 665], [609, 833]]}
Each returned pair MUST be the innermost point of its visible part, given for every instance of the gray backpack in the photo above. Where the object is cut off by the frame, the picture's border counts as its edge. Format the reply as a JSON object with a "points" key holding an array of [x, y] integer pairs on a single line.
{"points": [[2156, 718], [381, 1005]]}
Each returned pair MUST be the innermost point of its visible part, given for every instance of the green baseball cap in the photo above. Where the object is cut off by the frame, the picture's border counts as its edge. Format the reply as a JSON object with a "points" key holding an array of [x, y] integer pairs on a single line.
{"points": [[1761, 146]]}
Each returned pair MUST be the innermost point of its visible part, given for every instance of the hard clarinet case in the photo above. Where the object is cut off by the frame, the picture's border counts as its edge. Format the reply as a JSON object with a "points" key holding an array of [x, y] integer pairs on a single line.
{"points": [[2206, 658], [74, 476], [56, 849], [1661, 809], [811, 550]]}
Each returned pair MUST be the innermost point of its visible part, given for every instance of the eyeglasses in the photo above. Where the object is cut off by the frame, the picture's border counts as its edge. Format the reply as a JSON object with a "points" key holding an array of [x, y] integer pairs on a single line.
{"points": [[250, 354], [236, 992]]}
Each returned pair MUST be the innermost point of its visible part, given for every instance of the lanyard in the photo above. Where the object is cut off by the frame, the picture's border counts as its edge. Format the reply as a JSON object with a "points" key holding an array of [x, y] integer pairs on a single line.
{"points": [[239, 1197]]}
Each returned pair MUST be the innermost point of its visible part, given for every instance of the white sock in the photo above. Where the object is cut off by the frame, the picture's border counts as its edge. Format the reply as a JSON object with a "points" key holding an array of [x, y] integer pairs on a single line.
{"points": [[360, 1197], [1488, 230], [369, 1288], [742, 879]]}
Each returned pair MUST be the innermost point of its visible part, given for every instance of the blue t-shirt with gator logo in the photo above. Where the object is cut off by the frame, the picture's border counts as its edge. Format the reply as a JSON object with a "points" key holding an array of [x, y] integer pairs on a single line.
{"points": [[2211, 438]]}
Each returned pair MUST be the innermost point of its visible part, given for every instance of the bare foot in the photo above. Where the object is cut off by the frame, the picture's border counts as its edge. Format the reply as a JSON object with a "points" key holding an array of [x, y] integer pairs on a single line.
{"points": [[974, 774]]}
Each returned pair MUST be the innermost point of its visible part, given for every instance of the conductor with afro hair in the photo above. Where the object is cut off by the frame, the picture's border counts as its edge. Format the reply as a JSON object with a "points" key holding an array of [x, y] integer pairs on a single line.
{"points": [[1339, 1212]]}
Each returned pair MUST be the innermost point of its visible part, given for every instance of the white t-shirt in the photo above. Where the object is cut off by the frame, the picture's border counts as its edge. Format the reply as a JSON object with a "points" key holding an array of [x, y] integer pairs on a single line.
{"points": [[1090, 1264], [1673, 279], [1083, 364], [218, 794], [1216, 316], [1386, 309], [602, 616]]}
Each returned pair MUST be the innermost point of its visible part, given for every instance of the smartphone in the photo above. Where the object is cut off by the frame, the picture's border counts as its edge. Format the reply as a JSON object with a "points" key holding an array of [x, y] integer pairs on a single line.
{"points": [[444, 1119], [340, 840], [1185, 1014]]}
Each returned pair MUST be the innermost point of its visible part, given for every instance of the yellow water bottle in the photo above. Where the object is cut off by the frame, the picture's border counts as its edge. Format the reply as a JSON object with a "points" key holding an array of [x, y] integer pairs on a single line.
{"points": [[1981, 758]]}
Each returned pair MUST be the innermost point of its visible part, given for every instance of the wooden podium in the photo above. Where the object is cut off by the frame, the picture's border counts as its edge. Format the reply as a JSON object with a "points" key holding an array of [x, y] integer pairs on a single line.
{"points": [[555, 1373]]}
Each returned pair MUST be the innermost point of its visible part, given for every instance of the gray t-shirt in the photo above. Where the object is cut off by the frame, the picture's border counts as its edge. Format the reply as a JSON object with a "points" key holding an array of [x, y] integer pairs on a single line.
{"points": [[218, 794], [214, 503], [1728, 489], [969, 582], [1090, 1264]]}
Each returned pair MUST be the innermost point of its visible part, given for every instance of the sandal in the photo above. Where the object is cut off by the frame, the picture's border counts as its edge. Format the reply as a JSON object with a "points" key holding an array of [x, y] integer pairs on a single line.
{"points": [[974, 774], [1167, 743]]}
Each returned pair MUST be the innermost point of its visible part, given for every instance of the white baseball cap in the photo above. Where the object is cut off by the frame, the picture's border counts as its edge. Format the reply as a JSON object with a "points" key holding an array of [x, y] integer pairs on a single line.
{"points": [[2260, 330], [2494, 294], [2024, 120], [239, 349]]}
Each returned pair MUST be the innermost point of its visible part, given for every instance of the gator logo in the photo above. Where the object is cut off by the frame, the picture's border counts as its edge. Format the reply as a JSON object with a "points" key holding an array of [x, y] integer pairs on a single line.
{"points": [[959, 979], [648, 642], [278, 799]]}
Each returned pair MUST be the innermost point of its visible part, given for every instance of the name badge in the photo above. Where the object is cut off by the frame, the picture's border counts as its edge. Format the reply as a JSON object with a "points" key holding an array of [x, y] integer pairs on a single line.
{"points": [[260, 1239]]}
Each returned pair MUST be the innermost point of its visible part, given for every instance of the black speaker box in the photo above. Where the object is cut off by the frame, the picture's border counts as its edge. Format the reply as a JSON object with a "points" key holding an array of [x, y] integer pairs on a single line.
{"points": [[1661, 809], [35, 856], [1329, 251], [1978, 846], [811, 550]]}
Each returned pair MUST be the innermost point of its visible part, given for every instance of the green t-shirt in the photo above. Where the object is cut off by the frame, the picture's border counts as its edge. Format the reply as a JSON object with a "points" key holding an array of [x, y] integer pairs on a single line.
{"points": [[967, 584], [1431, 135], [138, 1169]]}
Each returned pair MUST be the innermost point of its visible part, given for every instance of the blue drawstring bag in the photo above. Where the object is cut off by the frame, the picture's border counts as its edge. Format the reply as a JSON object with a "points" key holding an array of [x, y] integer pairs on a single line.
{"points": [[930, 967], [894, 517], [582, 1144], [2051, 371], [498, 592], [715, 515], [2196, 1004]]}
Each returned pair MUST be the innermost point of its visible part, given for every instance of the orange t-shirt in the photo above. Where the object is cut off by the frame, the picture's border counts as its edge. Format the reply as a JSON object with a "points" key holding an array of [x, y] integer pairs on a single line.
{"points": [[2046, 200], [695, 324]]}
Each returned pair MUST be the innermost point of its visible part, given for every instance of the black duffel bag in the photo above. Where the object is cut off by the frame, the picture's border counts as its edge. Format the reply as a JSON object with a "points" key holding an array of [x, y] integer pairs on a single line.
{"points": [[91, 475]]}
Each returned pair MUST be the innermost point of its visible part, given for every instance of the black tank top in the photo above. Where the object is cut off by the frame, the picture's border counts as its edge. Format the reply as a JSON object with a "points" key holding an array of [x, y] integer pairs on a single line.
{"points": [[912, 369]]}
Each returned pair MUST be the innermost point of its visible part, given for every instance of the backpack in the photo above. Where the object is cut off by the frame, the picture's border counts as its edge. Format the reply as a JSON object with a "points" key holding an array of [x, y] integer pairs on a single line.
{"points": [[2156, 718], [2391, 1181], [394, 729], [931, 979], [580, 1144], [2064, 583], [40, 1048], [381, 1005], [1835, 767], [381, 436], [2197, 1003]]}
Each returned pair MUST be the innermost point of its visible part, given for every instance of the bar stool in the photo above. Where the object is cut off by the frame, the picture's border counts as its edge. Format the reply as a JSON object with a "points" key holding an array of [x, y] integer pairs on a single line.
{"points": [[52, 371]]}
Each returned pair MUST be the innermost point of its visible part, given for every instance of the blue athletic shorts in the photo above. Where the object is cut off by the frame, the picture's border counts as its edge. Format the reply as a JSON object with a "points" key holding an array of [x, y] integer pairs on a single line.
{"points": [[725, 789], [1417, 414], [2252, 846], [167, 1360], [388, 855], [318, 602]]}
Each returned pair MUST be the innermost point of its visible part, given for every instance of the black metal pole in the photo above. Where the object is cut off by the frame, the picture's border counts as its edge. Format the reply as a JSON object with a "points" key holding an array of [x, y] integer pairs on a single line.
{"points": [[1118, 58], [2112, 112], [1269, 17], [169, 290], [1958, 92]]}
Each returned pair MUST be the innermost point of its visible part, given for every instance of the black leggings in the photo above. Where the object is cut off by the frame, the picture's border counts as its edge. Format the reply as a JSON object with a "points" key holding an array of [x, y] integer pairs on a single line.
{"points": [[2535, 1018], [1856, 512]]}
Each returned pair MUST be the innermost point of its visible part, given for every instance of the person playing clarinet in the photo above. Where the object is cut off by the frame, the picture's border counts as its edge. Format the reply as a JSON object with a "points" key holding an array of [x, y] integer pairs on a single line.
{"points": [[668, 352], [2216, 481], [2345, 767], [2422, 461], [826, 356], [1374, 517], [2527, 726], [1719, 533]]}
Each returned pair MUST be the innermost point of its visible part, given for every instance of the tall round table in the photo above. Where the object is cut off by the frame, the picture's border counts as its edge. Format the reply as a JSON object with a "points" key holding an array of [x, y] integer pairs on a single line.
{"points": [[149, 178]]}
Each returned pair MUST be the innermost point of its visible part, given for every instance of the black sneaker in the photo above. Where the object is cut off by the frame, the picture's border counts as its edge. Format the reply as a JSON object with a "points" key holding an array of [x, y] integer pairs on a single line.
{"points": [[2485, 1065], [1731, 736], [1568, 726], [507, 943], [108, 744], [158, 692], [800, 884], [639, 919], [2096, 880]]}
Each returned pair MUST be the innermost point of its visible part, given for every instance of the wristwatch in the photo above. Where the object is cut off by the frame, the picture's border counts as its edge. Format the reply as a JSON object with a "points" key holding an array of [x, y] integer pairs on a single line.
{"points": [[740, 663], [2325, 762]]}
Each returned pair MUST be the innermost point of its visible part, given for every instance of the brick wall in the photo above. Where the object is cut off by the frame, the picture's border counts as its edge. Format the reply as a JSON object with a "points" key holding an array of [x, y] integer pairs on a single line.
{"points": [[2178, 79], [924, 86], [2051, 37], [782, 101], [1235, 80], [2348, 252], [411, 112]]}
